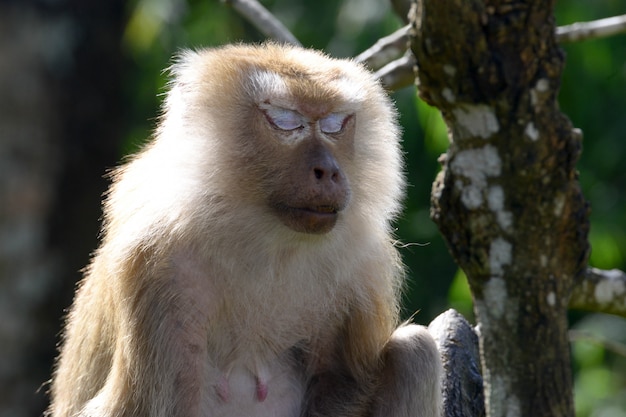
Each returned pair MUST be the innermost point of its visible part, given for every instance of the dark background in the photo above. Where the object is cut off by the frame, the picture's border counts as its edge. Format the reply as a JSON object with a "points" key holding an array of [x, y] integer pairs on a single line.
{"points": [[80, 86]]}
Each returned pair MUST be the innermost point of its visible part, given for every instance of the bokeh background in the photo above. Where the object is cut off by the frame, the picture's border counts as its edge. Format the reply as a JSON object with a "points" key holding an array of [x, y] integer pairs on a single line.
{"points": [[80, 87]]}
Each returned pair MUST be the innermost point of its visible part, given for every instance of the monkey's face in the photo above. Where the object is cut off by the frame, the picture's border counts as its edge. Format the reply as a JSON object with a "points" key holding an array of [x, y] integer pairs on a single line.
{"points": [[302, 140], [307, 187]]}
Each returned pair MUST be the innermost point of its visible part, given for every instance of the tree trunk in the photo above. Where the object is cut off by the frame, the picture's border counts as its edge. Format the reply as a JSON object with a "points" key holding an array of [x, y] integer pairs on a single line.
{"points": [[507, 201]]}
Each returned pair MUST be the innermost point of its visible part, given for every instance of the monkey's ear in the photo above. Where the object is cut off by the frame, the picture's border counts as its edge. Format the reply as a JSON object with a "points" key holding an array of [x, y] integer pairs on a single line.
{"points": [[334, 122], [281, 118]]}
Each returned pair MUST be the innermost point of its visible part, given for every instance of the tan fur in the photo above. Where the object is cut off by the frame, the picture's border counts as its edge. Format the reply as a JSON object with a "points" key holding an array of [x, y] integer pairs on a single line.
{"points": [[200, 302]]}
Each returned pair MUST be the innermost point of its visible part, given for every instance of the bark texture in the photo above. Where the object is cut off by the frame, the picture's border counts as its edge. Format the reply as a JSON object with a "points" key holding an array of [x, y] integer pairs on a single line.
{"points": [[507, 200]]}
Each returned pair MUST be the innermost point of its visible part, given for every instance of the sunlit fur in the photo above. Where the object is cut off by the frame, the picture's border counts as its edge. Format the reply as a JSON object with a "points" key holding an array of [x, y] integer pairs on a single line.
{"points": [[198, 293]]}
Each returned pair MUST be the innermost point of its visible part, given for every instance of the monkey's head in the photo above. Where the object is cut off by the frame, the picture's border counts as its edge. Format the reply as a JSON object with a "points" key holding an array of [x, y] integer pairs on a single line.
{"points": [[311, 140]]}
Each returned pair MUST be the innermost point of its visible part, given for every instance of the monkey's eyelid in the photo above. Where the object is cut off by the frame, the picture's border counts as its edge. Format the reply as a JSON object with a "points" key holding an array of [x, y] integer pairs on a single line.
{"points": [[333, 123], [283, 119]]}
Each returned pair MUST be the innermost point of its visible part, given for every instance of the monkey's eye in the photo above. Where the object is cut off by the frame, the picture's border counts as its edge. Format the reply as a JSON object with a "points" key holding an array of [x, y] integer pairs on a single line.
{"points": [[333, 123], [283, 119]]}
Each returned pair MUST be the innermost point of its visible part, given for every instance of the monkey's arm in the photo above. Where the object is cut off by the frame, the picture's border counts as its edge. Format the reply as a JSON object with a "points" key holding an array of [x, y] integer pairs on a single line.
{"points": [[402, 380], [130, 347], [92, 334], [409, 384]]}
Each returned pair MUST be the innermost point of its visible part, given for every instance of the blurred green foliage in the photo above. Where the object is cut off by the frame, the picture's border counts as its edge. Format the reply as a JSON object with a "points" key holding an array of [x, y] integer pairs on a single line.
{"points": [[593, 95]]}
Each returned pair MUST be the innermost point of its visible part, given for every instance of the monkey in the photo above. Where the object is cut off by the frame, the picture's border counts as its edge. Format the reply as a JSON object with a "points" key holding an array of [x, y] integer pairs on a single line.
{"points": [[247, 264]]}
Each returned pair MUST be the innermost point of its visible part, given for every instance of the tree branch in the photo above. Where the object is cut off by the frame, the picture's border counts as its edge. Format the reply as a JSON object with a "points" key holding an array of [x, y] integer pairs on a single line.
{"points": [[386, 49], [389, 48], [398, 74], [592, 30], [263, 20], [601, 291]]}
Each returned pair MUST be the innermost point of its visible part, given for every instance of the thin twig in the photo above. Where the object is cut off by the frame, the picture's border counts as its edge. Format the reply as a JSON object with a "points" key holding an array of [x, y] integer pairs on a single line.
{"points": [[397, 74], [386, 49], [263, 20], [601, 291], [592, 30]]}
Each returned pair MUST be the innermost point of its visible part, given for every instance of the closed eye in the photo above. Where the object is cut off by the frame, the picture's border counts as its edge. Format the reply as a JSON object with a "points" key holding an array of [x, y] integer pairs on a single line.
{"points": [[333, 123], [283, 119]]}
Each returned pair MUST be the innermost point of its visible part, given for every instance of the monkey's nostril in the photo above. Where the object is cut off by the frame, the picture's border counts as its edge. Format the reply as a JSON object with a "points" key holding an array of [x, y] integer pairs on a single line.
{"points": [[319, 173]]}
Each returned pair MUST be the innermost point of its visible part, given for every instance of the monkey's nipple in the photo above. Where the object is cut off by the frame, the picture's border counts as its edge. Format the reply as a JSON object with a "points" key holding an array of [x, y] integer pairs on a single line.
{"points": [[261, 389]]}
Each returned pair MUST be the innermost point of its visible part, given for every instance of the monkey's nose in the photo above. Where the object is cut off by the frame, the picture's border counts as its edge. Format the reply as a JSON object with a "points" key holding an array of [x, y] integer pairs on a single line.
{"points": [[322, 174], [326, 169]]}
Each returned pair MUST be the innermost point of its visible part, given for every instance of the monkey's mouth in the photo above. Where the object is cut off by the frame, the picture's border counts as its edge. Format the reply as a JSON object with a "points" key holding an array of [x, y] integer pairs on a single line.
{"points": [[322, 209], [312, 219]]}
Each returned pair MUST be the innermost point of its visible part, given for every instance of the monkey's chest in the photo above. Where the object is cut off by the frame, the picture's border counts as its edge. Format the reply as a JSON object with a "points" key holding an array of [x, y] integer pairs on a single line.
{"points": [[254, 327], [267, 341], [256, 365], [274, 313], [257, 387]]}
